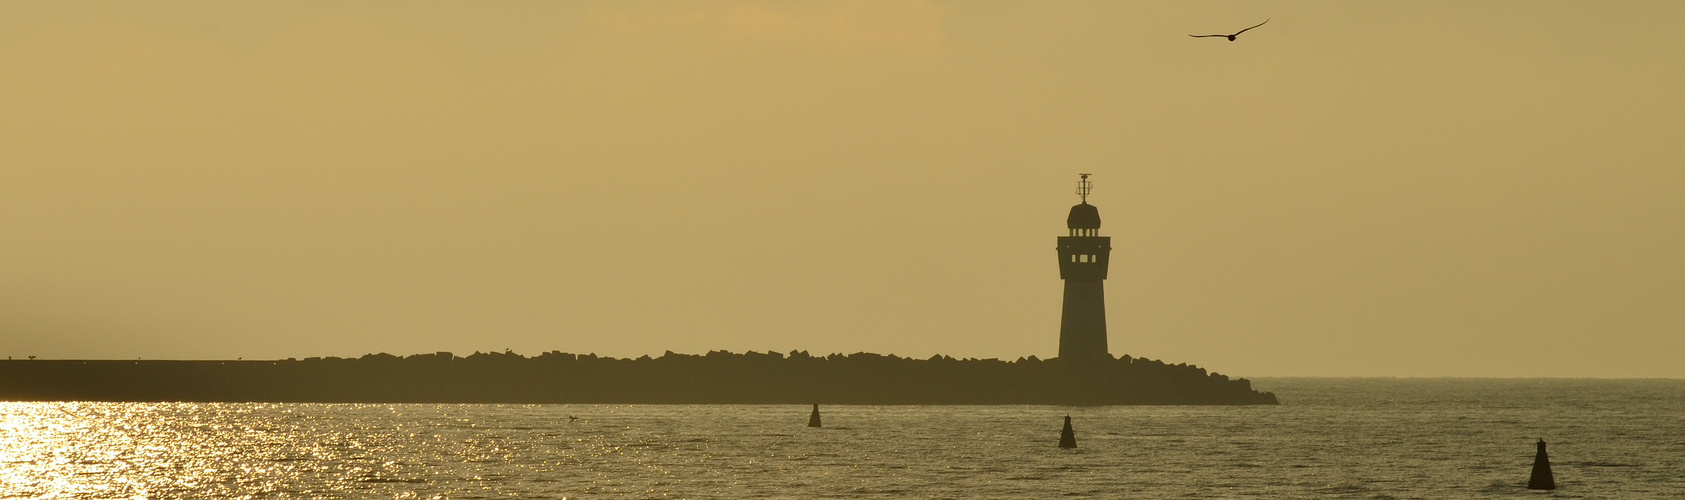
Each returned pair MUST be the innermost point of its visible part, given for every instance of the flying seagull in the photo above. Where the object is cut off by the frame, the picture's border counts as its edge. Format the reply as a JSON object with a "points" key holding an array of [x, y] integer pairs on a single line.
{"points": [[1231, 37]]}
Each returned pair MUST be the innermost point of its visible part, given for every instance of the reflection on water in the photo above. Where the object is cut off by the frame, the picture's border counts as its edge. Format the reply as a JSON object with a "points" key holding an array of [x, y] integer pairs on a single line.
{"points": [[1332, 437]]}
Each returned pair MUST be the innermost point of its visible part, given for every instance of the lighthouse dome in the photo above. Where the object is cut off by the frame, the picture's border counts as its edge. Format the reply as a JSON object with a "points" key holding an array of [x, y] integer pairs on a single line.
{"points": [[1083, 216]]}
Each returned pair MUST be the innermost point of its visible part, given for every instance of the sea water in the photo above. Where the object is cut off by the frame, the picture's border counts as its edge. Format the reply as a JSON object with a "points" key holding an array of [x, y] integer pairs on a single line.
{"points": [[1330, 438]]}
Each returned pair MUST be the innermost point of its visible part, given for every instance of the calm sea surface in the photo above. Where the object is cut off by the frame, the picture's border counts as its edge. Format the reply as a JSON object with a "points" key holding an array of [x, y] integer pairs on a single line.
{"points": [[1342, 438]]}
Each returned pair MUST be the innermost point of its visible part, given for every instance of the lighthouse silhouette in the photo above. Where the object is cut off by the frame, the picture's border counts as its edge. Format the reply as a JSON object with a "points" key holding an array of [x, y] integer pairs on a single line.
{"points": [[1083, 258]]}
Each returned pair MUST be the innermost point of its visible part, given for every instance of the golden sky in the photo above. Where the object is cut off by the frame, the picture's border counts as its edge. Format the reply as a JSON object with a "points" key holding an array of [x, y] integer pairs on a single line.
{"points": [[1354, 188]]}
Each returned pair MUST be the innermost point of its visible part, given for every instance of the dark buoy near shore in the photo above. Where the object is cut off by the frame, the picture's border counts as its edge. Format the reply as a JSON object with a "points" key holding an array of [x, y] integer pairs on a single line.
{"points": [[813, 420], [1068, 438], [1542, 478]]}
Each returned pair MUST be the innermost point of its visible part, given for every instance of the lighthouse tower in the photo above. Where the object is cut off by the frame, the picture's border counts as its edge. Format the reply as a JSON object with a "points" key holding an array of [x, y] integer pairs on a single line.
{"points": [[1083, 258]]}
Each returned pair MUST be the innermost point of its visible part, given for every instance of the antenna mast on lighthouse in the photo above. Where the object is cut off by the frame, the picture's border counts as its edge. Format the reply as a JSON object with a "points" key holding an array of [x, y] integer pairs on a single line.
{"points": [[1084, 187]]}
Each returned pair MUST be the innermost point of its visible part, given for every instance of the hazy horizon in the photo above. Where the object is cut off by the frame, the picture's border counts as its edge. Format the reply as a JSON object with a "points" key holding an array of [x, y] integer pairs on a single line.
{"points": [[1433, 189]]}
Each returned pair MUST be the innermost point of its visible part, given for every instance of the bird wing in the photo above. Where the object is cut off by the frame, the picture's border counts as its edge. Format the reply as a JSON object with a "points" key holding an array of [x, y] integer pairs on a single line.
{"points": [[1253, 26], [1203, 36]]}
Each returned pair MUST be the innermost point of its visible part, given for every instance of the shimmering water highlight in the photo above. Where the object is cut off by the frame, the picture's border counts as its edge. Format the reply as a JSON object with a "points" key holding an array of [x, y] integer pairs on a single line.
{"points": [[1354, 438]]}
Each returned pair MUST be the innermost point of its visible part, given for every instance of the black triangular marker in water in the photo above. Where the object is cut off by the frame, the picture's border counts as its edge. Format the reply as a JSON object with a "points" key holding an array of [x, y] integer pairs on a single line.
{"points": [[1542, 478], [813, 421], [1067, 438]]}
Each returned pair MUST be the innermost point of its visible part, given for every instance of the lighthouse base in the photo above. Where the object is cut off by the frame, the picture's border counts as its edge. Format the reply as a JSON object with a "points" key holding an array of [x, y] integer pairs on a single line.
{"points": [[1082, 328]]}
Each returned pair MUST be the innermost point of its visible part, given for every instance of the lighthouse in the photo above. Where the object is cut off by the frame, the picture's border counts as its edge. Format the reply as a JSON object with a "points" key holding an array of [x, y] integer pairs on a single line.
{"points": [[1083, 258]]}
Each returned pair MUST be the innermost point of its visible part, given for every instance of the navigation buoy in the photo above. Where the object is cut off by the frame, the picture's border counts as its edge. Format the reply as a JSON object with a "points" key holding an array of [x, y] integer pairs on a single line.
{"points": [[1542, 479], [813, 421], [1068, 438]]}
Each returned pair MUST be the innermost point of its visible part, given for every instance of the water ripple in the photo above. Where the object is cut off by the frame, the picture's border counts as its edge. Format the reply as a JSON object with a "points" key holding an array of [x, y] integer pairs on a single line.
{"points": [[1332, 438]]}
